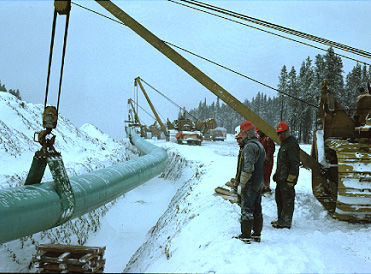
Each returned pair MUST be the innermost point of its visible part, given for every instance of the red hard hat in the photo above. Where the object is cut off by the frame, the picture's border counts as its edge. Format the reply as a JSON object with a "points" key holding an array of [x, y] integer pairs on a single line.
{"points": [[257, 129], [282, 127], [247, 125]]}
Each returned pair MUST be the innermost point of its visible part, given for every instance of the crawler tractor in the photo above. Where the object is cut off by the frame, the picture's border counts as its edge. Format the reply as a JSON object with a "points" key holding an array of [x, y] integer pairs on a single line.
{"points": [[343, 184]]}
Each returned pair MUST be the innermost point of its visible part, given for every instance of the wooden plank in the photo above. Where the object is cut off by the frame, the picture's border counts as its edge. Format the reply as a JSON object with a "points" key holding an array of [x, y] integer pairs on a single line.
{"points": [[68, 268], [99, 267], [225, 191], [87, 257], [38, 255], [69, 258], [54, 267], [64, 256], [233, 200], [71, 261], [71, 248]]}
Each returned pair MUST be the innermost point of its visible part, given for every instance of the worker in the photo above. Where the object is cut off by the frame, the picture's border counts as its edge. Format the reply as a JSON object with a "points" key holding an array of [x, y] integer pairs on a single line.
{"points": [[233, 183], [286, 176], [251, 184], [363, 106], [269, 148]]}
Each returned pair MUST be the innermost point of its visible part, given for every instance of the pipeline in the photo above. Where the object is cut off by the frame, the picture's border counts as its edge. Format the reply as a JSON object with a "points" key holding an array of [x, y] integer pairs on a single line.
{"points": [[26, 210]]}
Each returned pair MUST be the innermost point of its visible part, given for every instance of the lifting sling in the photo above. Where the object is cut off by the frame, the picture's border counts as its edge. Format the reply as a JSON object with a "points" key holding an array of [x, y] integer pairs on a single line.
{"points": [[47, 155]]}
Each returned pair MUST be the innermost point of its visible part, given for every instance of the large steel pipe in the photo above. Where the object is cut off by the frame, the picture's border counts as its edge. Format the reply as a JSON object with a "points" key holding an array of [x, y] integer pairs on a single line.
{"points": [[26, 210]]}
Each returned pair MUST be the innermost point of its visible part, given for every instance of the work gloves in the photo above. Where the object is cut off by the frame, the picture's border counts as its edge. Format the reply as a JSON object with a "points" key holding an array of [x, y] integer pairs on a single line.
{"points": [[290, 179], [245, 177], [234, 183]]}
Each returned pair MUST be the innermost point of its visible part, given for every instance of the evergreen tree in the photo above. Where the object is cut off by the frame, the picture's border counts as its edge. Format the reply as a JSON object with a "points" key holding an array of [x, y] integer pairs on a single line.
{"points": [[333, 73], [306, 90], [2, 88], [16, 93], [292, 109], [283, 87], [353, 83]]}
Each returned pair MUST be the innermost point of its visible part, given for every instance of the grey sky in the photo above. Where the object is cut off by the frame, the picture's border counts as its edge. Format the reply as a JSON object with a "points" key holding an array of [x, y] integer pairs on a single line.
{"points": [[104, 57]]}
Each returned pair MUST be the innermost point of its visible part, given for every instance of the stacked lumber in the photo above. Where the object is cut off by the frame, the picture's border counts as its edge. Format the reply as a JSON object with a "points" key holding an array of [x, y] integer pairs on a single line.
{"points": [[69, 258]]}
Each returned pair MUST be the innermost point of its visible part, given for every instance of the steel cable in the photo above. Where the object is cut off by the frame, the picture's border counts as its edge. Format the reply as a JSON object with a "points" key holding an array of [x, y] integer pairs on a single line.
{"points": [[269, 32], [301, 34]]}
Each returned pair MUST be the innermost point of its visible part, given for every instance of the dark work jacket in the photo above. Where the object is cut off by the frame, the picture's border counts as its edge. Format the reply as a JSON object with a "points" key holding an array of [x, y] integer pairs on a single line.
{"points": [[253, 160], [288, 160]]}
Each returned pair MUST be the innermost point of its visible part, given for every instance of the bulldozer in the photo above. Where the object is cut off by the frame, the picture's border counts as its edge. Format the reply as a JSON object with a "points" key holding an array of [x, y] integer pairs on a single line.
{"points": [[343, 184]]}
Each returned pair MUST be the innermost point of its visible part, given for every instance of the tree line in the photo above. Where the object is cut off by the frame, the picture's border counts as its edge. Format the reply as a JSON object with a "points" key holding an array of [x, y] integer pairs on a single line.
{"points": [[303, 87], [16, 93]]}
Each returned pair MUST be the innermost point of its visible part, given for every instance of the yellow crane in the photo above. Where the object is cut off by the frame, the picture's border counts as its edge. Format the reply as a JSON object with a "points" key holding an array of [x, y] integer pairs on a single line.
{"points": [[137, 82], [347, 208]]}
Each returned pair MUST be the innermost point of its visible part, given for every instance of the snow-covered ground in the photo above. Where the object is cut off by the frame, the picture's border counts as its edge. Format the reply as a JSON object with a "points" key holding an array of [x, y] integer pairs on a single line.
{"points": [[174, 223], [195, 234]]}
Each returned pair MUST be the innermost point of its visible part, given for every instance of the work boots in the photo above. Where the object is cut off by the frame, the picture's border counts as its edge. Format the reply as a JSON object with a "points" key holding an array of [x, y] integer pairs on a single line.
{"points": [[257, 228], [246, 226]]}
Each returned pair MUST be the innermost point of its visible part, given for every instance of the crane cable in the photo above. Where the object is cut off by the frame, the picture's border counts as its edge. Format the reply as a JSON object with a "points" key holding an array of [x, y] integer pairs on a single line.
{"points": [[136, 87], [269, 32], [168, 98], [243, 75], [144, 111], [300, 34], [210, 61], [51, 57]]}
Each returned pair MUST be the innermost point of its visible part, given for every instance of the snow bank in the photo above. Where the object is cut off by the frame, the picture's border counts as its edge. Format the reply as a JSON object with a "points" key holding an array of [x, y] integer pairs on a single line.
{"points": [[195, 233], [81, 153]]}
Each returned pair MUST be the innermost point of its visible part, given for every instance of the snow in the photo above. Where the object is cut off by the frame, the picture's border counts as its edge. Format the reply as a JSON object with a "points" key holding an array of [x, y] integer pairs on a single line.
{"points": [[321, 148], [174, 223]]}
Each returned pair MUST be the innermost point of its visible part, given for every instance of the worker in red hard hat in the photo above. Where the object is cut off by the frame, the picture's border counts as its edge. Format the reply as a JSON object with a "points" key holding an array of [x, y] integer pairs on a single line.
{"points": [[269, 148], [251, 184], [239, 140], [286, 176], [234, 182]]}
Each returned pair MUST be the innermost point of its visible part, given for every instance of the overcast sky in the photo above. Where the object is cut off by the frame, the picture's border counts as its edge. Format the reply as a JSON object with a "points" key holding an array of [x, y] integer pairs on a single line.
{"points": [[103, 57]]}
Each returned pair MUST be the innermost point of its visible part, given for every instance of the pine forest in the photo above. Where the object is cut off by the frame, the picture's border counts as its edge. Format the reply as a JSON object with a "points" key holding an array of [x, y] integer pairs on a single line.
{"points": [[296, 105]]}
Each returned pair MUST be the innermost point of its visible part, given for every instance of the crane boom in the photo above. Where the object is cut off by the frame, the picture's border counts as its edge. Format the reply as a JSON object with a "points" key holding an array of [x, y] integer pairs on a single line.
{"points": [[201, 77], [136, 117], [137, 81]]}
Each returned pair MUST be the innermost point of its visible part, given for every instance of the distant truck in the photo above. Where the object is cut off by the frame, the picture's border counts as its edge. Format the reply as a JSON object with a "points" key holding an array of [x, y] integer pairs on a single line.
{"points": [[216, 134], [186, 133]]}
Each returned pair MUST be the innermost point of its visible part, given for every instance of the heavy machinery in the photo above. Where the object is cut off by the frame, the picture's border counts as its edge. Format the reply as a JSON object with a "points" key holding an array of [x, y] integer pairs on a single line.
{"points": [[343, 184], [134, 122], [352, 190], [154, 130], [207, 125], [216, 134], [192, 132], [187, 132]]}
